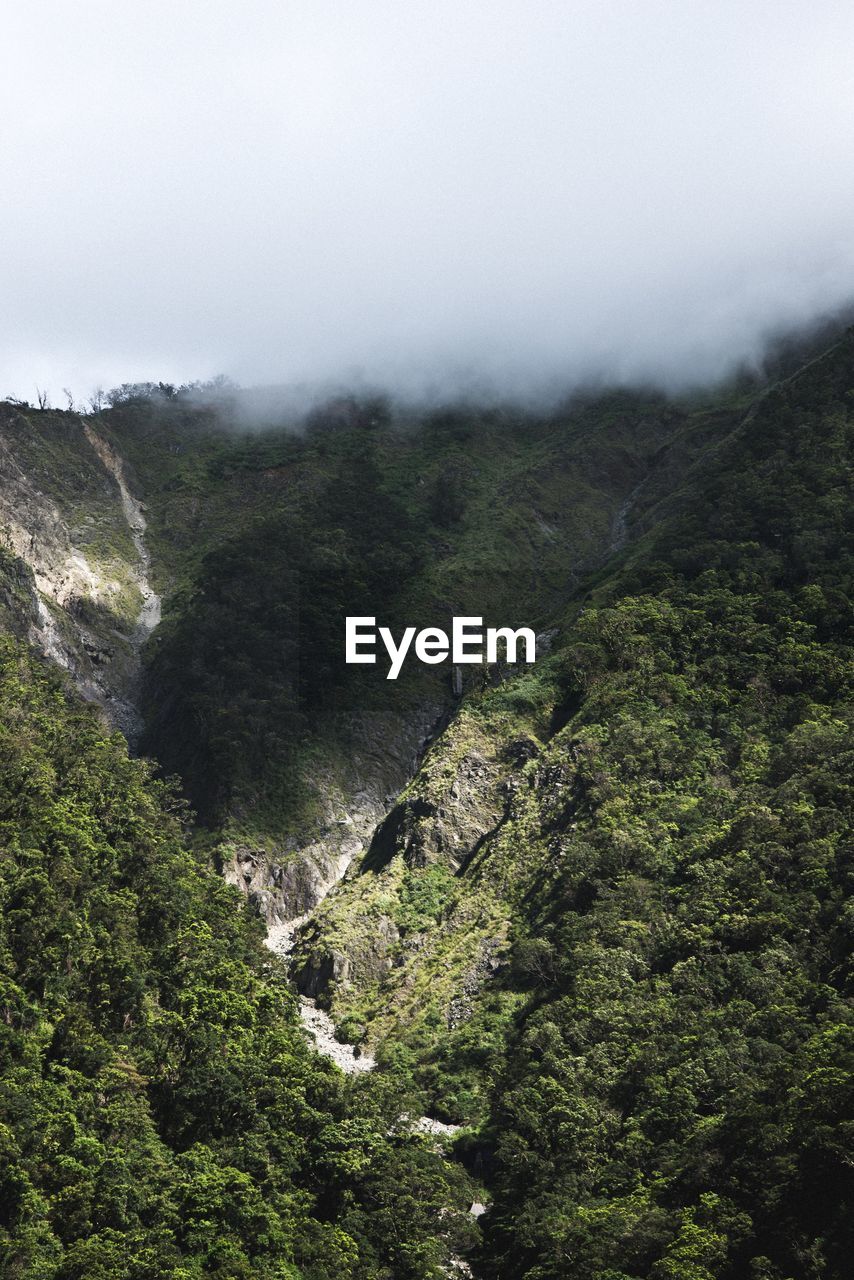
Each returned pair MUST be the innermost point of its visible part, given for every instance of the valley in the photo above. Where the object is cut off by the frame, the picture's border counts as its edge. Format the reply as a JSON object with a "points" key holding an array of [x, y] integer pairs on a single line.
{"points": [[567, 938]]}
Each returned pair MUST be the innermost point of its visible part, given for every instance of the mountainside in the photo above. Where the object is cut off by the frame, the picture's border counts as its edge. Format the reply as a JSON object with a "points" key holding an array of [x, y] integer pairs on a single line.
{"points": [[269, 540], [161, 1114], [77, 585], [591, 918]]}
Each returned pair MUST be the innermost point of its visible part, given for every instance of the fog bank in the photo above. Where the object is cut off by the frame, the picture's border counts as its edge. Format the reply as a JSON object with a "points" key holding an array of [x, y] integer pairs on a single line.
{"points": [[432, 197]]}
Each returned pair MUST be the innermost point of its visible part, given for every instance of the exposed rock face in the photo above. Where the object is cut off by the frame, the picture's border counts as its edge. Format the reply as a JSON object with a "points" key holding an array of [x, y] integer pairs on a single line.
{"points": [[286, 884], [366, 960], [444, 815], [365, 942], [461, 1005], [150, 610], [92, 603]]}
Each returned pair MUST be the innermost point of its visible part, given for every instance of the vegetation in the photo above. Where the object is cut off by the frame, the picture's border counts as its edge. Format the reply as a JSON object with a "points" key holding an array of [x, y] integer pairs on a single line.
{"points": [[161, 1114], [263, 543], [51, 455], [606, 926], [659, 1066]]}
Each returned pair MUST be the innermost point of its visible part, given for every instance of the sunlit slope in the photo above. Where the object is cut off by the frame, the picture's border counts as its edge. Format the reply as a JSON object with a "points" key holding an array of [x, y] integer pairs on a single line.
{"points": [[607, 921], [161, 1113]]}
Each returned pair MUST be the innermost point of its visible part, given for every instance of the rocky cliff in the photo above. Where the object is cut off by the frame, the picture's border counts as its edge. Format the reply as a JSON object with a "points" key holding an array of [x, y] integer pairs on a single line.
{"points": [[67, 515]]}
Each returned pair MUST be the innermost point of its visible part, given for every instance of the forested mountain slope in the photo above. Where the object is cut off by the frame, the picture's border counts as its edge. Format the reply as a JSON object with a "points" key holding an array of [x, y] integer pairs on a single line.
{"points": [[608, 922], [596, 912], [161, 1114], [677, 1093], [263, 540]]}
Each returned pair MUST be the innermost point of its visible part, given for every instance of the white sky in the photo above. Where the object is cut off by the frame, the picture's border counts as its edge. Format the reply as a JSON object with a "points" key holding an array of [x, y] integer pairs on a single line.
{"points": [[417, 190]]}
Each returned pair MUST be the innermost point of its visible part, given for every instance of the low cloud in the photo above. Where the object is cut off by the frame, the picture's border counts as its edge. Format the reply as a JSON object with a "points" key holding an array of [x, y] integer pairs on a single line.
{"points": [[436, 197]]}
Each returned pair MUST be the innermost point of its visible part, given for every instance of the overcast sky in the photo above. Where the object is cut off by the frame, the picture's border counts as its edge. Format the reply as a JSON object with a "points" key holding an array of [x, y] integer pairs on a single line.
{"points": [[417, 190]]}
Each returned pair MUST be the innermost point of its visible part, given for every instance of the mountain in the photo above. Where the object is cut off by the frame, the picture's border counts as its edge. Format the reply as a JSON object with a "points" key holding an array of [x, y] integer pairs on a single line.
{"points": [[590, 918]]}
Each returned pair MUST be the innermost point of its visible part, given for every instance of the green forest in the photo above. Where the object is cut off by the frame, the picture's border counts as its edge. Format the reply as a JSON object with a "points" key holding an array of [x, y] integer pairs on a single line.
{"points": [[600, 928]]}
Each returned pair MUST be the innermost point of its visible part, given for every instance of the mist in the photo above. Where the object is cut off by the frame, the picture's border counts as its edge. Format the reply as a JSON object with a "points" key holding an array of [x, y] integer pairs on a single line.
{"points": [[429, 197]]}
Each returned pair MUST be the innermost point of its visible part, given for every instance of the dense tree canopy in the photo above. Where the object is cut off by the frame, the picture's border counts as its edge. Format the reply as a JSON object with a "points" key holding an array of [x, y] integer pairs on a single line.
{"points": [[161, 1114], [607, 928]]}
